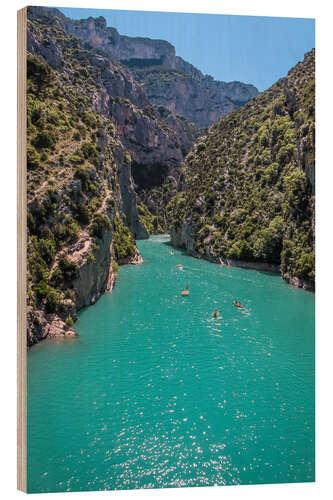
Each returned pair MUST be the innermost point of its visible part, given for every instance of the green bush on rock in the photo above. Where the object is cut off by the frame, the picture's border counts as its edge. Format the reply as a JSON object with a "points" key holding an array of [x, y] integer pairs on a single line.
{"points": [[247, 187], [123, 241]]}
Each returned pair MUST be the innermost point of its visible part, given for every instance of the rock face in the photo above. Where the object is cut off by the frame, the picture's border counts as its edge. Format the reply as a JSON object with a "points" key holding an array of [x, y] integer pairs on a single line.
{"points": [[168, 80], [41, 326], [95, 133], [246, 193], [81, 201], [157, 139], [182, 237], [93, 275], [151, 95], [201, 99]]}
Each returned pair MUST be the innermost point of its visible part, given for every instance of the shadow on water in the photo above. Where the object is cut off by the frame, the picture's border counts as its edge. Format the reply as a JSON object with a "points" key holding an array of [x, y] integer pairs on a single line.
{"points": [[179, 249], [183, 252]]}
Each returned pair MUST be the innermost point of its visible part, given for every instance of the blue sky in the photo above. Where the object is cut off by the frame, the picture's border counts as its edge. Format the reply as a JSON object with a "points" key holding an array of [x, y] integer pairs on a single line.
{"points": [[250, 49]]}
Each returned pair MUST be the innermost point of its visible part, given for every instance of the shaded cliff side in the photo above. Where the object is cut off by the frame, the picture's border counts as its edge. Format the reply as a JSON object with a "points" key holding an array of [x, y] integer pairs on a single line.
{"points": [[247, 189]]}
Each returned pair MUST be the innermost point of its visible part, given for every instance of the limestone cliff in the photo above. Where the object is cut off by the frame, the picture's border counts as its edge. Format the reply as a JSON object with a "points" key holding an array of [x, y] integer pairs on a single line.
{"points": [[168, 80], [157, 139], [82, 213], [150, 94]]}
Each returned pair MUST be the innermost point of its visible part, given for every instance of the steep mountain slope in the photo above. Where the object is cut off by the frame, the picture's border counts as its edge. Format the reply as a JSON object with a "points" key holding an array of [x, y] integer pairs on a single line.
{"points": [[157, 139], [247, 188], [80, 203], [90, 124], [119, 79], [168, 80], [200, 98]]}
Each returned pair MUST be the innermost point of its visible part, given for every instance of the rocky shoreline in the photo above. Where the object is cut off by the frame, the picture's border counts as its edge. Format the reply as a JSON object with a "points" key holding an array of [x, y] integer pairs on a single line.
{"points": [[134, 260], [182, 238], [41, 325]]}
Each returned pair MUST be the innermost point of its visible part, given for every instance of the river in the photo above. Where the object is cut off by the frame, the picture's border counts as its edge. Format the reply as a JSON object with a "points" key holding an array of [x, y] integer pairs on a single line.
{"points": [[155, 392]]}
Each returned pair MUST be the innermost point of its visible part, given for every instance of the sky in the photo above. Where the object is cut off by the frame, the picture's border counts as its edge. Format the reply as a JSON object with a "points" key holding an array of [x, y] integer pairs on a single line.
{"points": [[250, 49]]}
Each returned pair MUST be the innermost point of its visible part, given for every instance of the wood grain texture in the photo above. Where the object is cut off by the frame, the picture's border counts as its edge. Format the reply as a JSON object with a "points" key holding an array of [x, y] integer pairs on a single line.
{"points": [[21, 251]]}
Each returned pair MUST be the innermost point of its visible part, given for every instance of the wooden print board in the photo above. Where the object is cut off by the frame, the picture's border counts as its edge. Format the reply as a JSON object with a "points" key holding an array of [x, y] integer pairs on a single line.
{"points": [[21, 253], [166, 241]]}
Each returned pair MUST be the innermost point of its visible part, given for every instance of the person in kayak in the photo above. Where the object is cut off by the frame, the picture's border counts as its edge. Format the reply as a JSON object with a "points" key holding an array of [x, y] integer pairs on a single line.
{"points": [[215, 313], [237, 304]]}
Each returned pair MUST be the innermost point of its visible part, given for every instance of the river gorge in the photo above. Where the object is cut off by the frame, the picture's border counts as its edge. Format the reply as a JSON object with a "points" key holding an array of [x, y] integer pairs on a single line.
{"points": [[155, 392]]}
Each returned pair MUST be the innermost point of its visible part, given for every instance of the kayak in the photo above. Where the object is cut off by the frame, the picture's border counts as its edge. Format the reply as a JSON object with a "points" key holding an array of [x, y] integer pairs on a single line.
{"points": [[185, 292], [238, 305]]}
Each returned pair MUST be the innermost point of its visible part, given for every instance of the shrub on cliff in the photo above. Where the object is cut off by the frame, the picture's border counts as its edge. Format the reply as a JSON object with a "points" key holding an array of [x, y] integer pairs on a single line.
{"points": [[99, 225], [52, 300], [38, 269], [38, 72], [90, 152], [305, 266], [248, 186], [69, 321], [122, 239], [57, 278], [82, 174], [45, 140], [41, 253], [76, 135], [46, 250], [33, 158], [68, 268], [65, 233], [49, 295], [77, 158], [82, 214], [146, 218], [201, 146]]}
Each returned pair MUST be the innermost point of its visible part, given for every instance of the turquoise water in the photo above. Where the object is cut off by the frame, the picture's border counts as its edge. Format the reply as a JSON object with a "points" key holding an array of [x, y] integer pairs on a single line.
{"points": [[154, 392]]}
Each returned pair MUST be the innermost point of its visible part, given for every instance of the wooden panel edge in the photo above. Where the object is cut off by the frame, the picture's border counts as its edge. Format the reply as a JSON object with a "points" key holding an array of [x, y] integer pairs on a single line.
{"points": [[21, 252]]}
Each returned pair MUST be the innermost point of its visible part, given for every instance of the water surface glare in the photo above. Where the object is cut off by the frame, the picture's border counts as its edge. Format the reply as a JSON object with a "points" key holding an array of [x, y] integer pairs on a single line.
{"points": [[154, 392]]}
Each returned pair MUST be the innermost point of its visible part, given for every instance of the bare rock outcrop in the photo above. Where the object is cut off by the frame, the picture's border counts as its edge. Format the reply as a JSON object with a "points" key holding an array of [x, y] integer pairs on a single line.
{"points": [[168, 80]]}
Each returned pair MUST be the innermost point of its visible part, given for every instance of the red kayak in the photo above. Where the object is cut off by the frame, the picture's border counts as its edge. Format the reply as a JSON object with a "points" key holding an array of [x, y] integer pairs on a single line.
{"points": [[238, 304]]}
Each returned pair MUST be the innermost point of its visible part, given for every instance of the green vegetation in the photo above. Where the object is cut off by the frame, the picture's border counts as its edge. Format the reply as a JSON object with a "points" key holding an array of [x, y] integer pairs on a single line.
{"points": [[33, 158], [147, 218], [247, 189], [123, 241], [115, 266], [155, 218], [99, 225], [66, 186], [38, 73], [69, 321], [50, 297]]}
